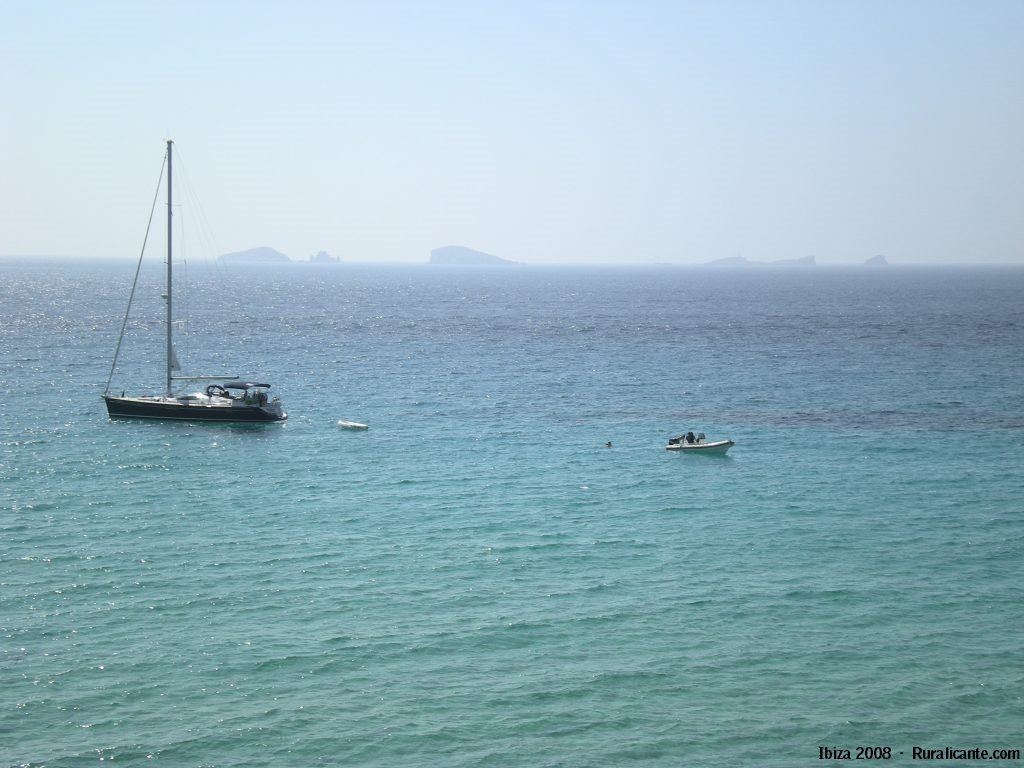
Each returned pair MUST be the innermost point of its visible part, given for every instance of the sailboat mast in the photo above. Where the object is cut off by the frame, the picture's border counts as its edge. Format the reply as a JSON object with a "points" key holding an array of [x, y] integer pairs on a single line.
{"points": [[170, 315]]}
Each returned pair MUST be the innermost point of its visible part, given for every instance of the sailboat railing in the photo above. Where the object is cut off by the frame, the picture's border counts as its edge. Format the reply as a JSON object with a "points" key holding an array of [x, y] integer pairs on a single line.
{"points": [[204, 378]]}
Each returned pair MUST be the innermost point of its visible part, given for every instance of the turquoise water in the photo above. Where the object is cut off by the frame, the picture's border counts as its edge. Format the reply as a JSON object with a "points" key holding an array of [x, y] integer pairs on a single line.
{"points": [[477, 580]]}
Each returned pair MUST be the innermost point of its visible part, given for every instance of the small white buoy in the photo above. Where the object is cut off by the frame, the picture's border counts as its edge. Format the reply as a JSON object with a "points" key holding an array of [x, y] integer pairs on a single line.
{"points": [[352, 425]]}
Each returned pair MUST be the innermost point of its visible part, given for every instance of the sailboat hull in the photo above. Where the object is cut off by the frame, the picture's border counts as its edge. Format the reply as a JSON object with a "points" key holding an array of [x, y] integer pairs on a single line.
{"points": [[179, 409]]}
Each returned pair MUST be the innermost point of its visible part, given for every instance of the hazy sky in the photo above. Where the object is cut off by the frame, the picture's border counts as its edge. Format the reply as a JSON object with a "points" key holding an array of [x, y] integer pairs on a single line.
{"points": [[630, 131]]}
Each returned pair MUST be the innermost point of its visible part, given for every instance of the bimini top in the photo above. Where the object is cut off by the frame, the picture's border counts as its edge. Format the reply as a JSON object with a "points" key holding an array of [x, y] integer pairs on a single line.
{"points": [[242, 384]]}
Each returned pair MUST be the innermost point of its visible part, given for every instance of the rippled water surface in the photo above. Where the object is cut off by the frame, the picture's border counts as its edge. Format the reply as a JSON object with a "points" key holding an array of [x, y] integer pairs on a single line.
{"points": [[477, 580]]}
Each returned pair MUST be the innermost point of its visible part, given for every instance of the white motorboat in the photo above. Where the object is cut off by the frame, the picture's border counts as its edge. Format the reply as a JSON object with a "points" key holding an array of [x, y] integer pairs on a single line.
{"points": [[698, 443], [345, 424]]}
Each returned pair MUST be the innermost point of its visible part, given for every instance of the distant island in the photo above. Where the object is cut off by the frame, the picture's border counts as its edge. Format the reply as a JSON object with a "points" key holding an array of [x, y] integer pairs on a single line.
{"points": [[877, 261], [324, 258], [263, 255], [460, 255], [740, 261]]}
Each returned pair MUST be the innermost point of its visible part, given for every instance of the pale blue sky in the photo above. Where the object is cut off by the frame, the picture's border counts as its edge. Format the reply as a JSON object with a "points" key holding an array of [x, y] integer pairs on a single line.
{"points": [[631, 131]]}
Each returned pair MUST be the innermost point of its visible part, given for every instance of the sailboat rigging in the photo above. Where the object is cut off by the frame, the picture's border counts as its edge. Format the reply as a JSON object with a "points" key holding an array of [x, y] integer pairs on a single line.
{"points": [[236, 400]]}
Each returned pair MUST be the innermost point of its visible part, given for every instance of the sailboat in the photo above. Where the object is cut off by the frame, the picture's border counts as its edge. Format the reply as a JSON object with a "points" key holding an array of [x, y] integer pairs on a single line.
{"points": [[234, 400]]}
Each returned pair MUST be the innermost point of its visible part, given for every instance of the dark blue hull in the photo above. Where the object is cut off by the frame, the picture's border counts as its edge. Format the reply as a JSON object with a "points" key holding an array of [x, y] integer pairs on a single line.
{"points": [[143, 408]]}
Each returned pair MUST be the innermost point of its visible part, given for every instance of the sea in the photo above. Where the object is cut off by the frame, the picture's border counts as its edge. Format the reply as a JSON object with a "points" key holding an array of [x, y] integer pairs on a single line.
{"points": [[508, 568]]}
